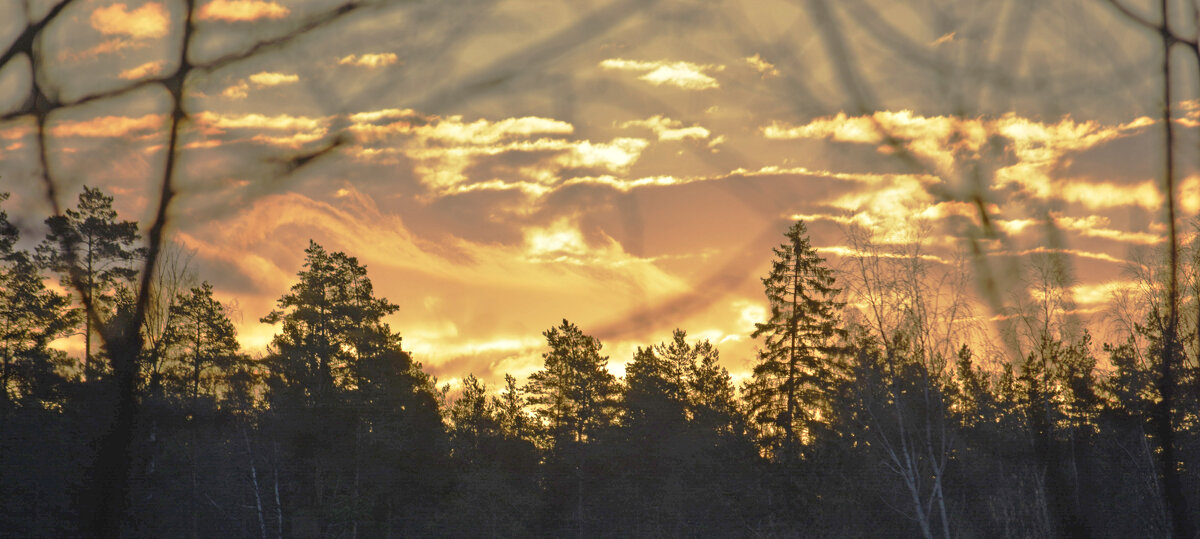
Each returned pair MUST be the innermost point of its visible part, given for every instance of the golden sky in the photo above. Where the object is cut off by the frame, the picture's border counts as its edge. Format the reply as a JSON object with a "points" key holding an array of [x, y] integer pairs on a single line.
{"points": [[626, 165]]}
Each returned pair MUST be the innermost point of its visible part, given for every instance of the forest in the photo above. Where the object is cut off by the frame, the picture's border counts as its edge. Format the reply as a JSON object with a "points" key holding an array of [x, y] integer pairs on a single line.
{"points": [[869, 412]]}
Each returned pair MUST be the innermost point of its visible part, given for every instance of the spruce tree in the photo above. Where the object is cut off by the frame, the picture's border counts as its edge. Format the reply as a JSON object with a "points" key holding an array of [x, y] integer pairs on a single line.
{"points": [[797, 363]]}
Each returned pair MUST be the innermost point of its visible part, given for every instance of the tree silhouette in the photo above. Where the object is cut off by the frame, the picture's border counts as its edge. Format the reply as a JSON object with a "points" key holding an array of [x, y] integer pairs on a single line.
{"points": [[573, 395], [202, 335], [94, 253], [31, 316], [797, 363]]}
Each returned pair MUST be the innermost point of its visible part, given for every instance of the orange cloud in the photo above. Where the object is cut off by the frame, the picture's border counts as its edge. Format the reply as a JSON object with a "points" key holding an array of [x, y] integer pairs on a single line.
{"points": [[267, 78], [765, 68], [148, 21], [668, 129], [107, 46], [1096, 226], [241, 89], [559, 270], [945, 38], [1100, 293], [282, 122], [108, 126], [442, 149], [685, 75], [241, 10], [1189, 194], [384, 114], [482, 132], [369, 60], [1096, 195], [147, 69], [950, 142]]}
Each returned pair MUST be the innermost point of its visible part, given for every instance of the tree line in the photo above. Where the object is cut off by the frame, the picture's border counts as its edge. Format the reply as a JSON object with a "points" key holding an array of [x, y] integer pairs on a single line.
{"points": [[870, 410]]}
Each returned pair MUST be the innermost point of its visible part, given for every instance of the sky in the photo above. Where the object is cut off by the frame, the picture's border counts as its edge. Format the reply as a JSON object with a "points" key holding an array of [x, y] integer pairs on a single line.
{"points": [[499, 166]]}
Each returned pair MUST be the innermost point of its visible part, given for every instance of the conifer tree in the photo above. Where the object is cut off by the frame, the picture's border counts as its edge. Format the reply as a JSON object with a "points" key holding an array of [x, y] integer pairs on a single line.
{"points": [[94, 253], [203, 335], [797, 363], [574, 393], [510, 409], [330, 322], [30, 317]]}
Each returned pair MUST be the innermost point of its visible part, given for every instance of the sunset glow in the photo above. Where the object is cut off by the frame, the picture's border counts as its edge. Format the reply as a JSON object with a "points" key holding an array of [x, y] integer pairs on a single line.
{"points": [[500, 214]]}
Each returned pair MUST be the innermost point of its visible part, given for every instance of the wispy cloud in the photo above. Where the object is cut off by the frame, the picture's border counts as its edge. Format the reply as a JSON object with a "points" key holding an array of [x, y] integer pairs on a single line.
{"points": [[943, 39], [107, 46], [371, 60], [148, 69], [241, 89], [147, 21], [268, 78], [668, 129], [949, 143], [259, 121], [108, 126], [443, 149], [241, 10], [685, 75], [763, 67]]}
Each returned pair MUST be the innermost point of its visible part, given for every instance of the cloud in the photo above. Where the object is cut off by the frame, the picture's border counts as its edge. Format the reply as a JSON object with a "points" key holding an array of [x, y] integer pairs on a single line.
{"points": [[108, 126], [450, 155], [267, 78], [148, 69], [1104, 257], [1096, 226], [1100, 293], [943, 39], [1189, 194], [360, 118], [371, 60], [668, 129], [550, 271], [148, 21], [282, 122], [452, 130], [241, 10], [951, 143], [763, 67], [1098, 195], [107, 46], [685, 75], [241, 89]]}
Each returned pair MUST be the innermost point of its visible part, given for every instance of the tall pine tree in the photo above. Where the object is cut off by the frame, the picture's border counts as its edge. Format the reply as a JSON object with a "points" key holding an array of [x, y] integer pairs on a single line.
{"points": [[94, 253]]}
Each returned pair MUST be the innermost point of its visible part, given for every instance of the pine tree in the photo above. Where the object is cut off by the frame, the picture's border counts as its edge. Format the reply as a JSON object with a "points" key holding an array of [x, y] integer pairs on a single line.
{"points": [[712, 399], [30, 317], [358, 416], [330, 320], [510, 409], [797, 363], [93, 252], [676, 382], [202, 335], [473, 415], [574, 393]]}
